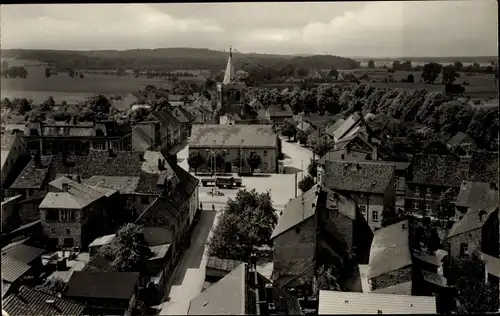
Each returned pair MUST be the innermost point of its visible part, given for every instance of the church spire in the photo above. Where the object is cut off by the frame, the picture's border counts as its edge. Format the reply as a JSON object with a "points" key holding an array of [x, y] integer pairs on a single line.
{"points": [[230, 74]]}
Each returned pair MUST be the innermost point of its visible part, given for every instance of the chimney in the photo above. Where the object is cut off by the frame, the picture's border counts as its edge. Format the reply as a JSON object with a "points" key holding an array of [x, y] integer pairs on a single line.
{"points": [[160, 164], [269, 293], [404, 226], [78, 178], [253, 261], [38, 158], [65, 187], [141, 156], [342, 156], [51, 302]]}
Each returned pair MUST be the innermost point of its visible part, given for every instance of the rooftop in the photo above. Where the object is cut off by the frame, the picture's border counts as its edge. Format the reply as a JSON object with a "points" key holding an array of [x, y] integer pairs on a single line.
{"points": [[404, 288], [344, 303], [472, 220], [23, 253], [346, 126], [111, 285], [222, 264], [492, 264], [390, 250], [123, 184], [476, 195], [358, 176], [13, 269], [259, 136], [460, 137], [30, 302]]}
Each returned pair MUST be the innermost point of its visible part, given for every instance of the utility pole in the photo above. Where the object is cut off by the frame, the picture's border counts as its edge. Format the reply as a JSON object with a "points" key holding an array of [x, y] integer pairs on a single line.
{"points": [[296, 184]]}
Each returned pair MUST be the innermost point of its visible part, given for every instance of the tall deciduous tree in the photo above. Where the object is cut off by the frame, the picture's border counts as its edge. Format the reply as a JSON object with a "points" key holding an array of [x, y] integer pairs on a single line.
{"points": [[326, 279], [128, 249], [289, 129], [48, 73], [52, 286], [306, 183], [312, 169], [430, 72], [371, 64], [254, 160], [195, 160]]}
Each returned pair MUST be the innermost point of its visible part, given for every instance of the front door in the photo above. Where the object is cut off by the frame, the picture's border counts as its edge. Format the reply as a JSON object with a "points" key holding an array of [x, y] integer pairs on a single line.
{"points": [[227, 167]]}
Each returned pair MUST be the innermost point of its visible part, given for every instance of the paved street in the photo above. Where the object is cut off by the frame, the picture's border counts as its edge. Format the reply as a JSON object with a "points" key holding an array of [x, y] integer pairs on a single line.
{"points": [[189, 276]]}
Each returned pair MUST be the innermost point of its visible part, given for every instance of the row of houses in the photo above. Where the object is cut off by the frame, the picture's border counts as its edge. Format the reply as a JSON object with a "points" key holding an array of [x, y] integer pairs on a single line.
{"points": [[79, 203]]}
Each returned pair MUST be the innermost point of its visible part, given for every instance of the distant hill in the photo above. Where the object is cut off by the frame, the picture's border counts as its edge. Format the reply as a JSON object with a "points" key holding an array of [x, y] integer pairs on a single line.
{"points": [[463, 59], [172, 59]]}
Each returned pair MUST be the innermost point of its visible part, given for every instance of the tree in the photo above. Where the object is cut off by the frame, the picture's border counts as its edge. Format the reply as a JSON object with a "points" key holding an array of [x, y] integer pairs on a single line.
{"points": [[410, 78], [24, 106], [450, 74], [48, 104], [239, 162], [82, 76], [326, 279], [6, 103], [128, 249], [306, 183], [474, 296], [215, 158], [430, 72], [48, 73], [195, 160], [54, 285], [312, 169], [248, 221], [302, 137], [371, 64], [253, 160], [333, 73], [458, 65], [289, 129], [100, 104]]}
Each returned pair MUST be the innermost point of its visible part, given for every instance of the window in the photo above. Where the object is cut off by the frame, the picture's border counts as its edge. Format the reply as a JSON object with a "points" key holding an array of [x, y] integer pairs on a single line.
{"points": [[51, 215], [428, 207], [375, 216], [362, 209], [463, 249], [53, 230], [417, 191], [67, 215], [415, 205], [144, 200], [428, 191], [69, 242], [297, 230], [265, 153], [68, 231]]}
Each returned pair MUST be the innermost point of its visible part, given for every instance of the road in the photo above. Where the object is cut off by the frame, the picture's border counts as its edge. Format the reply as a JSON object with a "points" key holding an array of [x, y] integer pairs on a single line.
{"points": [[189, 276]]}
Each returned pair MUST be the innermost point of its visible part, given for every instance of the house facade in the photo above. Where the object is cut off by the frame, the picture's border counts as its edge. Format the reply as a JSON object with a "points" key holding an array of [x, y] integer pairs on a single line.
{"points": [[235, 143], [51, 138], [371, 184]]}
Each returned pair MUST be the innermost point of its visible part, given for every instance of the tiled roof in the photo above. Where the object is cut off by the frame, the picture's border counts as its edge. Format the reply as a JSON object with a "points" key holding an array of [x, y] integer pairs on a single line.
{"points": [[33, 177], [179, 115], [30, 302], [284, 110], [472, 220], [330, 130], [159, 251], [492, 264], [390, 250], [186, 113], [435, 278], [426, 257], [484, 167], [103, 240], [296, 211], [349, 155], [166, 118], [13, 269], [99, 263], [226, 297], [222, 264], [348, 124], [460, 137], [257, 136], [476, 195], [111, 285], [404, 288], [318, 121], [438, 170], [359, 176], [23, 253], [123, 184], [7, 140], [78, 196], [345, 303], [141, 141], [163, 208]]}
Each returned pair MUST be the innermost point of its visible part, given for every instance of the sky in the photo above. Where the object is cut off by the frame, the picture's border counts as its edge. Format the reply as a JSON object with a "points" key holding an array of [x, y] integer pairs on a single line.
{"points": [[351, 29]]}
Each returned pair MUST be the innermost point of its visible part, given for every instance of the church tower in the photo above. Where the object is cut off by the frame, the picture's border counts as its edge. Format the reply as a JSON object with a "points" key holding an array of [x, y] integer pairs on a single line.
{"points": [[230, 92]]}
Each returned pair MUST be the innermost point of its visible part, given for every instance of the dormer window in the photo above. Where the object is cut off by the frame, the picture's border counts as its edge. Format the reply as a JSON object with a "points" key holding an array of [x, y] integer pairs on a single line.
{"points": [[417, 191]]}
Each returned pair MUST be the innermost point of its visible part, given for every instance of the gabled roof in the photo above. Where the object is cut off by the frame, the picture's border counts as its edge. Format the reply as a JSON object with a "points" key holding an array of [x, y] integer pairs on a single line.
{"points": [[460, 138], [297, 211], [492, 264], [330, 130], [179, 115], [345, 303], [30, 302], [390, 250], [23, 253], [226, 297], [33, 176], [207, 135], [438, 170], [78, 195], [358, 176], [102, 285], [476, 195], [472, 220], [349, 123], [13, 269], [165, 118]]}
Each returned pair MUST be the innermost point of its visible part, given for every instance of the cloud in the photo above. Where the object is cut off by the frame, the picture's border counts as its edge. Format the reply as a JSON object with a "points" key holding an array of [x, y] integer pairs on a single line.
{"points": [[389, 29]]}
